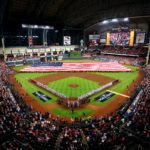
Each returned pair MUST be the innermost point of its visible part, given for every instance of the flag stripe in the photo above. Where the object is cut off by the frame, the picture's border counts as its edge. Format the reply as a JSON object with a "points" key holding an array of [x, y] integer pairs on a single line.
{"points": [[93, 66]]}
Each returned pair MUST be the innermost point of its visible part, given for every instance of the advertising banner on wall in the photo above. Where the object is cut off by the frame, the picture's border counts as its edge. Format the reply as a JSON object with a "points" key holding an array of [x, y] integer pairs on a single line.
{"points": [[120, 29], [140, 37], [67, 40], [103, 39], [94, 39], [131, 43], [108, 39]]}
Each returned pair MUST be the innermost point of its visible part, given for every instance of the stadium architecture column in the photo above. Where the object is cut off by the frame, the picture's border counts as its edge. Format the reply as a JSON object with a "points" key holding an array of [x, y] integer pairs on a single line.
{"points": [[45, 37], [30, 37], [81, 44], [3, 5], [3, 44], [3, 47], [147, 58]]}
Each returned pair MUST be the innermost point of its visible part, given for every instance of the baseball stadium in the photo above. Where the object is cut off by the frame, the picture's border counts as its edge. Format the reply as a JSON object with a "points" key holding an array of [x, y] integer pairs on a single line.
{"points": [[74, 75]]}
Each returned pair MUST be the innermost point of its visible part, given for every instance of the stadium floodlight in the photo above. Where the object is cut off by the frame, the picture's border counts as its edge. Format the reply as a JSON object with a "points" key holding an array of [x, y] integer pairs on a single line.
{"points": [[37, 27], [20, 36], [35, 36], [105, 22], [47, 27], [114, 20], [126, 19], [24, 26]]}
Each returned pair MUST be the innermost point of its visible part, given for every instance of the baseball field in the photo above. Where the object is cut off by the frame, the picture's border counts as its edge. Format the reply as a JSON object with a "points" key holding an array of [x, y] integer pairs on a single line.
{"points": [[73, 85]]}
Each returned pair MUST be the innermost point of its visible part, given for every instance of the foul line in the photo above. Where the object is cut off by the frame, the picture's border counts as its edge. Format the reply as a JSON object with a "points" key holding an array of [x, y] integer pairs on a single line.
{"points": [[118, 93]]}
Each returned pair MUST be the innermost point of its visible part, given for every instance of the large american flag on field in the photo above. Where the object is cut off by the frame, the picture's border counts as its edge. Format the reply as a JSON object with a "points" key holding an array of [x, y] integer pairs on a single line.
{"points": [[80, 66]]}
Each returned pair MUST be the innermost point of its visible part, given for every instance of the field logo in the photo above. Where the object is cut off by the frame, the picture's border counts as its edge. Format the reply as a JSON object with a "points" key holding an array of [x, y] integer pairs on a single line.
{"points": [[41, 96], [105, 96]]}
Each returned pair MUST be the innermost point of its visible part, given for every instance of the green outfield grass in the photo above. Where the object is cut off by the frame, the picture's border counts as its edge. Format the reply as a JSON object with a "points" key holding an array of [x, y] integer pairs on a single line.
{"points": [[18, 68], [63, 86], [76, 113]]}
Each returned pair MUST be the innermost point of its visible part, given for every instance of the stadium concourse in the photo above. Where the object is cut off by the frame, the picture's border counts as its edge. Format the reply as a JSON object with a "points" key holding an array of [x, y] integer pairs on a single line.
{"points": [[22, 128]]}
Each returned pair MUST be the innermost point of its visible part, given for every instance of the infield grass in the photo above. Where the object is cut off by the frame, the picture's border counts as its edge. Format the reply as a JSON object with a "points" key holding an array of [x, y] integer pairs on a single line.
{"points": [[83, 86]]}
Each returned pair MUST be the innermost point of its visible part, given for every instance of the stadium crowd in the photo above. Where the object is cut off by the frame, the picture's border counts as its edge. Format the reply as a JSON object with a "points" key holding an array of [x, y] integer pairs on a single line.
{"points": [[124, 50], [124, 55], [20, 57], [123, 59], [23, 128]]}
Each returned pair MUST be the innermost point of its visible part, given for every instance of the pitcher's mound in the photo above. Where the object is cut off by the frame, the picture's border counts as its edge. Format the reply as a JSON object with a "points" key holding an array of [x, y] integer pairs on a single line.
{"points": [[73, 85]]}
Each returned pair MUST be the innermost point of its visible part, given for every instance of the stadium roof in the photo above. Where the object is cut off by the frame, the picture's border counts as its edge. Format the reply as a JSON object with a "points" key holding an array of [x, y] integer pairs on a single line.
{"points": [[72, 13]]}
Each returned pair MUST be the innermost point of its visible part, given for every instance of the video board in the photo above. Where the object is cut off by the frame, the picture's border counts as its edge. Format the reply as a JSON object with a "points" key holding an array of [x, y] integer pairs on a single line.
{"points": [[120, 38]]}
